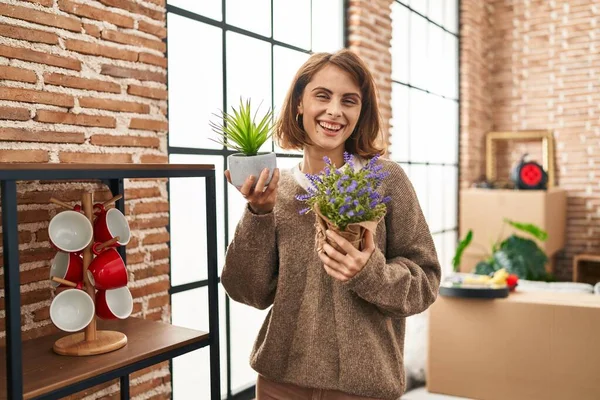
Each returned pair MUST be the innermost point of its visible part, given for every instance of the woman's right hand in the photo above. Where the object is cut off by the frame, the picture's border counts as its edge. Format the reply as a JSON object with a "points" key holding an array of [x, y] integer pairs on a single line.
{"points": [[261, 198]]}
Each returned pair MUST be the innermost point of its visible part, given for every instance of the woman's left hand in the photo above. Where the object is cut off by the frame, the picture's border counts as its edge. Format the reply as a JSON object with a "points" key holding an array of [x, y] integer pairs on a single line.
{"points": [[344, 267]]}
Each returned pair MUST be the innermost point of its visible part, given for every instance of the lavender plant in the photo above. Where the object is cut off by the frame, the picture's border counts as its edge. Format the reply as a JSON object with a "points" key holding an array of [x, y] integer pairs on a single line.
{"points": [[347, 196]]}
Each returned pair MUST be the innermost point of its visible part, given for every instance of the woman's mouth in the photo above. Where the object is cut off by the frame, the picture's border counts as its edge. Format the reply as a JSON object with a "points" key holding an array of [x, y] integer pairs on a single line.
{"points": [[330, 128]]}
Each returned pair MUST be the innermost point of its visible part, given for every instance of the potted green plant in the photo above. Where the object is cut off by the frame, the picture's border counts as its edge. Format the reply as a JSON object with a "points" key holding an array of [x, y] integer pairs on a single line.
{"points": [[516, 254], [244, 133]]}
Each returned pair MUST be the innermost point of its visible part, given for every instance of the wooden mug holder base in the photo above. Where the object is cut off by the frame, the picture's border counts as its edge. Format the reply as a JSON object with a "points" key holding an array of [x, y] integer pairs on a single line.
{"points": [[77, 345], [90, 341]]}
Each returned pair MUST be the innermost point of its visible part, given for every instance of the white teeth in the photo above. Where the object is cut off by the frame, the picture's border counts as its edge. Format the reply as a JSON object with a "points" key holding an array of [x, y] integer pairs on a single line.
{"points": [[331, 127]]}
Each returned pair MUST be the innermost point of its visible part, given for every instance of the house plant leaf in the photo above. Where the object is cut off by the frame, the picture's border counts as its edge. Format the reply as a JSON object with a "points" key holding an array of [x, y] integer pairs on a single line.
{"points": [[460, 249], [522, 257], [532, 229]]}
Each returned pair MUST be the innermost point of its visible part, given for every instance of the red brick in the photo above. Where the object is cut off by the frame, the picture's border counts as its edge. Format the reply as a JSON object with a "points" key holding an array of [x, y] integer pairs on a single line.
{"points": [[162, 269], [149, 223], [15, 114], [37, 156], [114, 105], [148, 370], [134, 257], [39, 332], [32, 35], [154, 159], [151, 207], [159, 254], [159, 301], [156, 30], [135, 40], [148, 58], [92, 30], [35, 275], [39, 57], [41, 314], [96, 49], [81, 83], [151, 93], [135, 8], [40, 17], [154, 316], [158, 2], [36, 96], [45, 3], [148, 124], [124, 141], [85, 10], [142, 75], [156, 287], [58, 117], [95, 158], [145, 386], [156, 238], [17, 74], [139, 193], [27, 135]]}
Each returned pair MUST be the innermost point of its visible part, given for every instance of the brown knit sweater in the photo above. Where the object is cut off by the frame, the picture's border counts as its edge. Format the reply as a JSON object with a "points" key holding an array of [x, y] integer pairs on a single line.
{"points": [[322, 333]]}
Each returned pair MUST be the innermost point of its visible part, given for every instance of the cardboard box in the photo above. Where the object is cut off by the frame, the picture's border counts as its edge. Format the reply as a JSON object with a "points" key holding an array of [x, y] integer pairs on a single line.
{"points": [[483, 211], [528, 346]]}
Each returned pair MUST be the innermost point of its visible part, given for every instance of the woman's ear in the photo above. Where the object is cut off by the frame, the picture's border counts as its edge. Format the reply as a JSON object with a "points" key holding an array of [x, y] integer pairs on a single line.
{"points": [[300, 109]]}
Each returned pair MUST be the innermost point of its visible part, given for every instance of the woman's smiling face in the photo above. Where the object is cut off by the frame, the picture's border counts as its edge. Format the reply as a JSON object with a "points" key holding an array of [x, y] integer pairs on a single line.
{"points": [[330, 109]]}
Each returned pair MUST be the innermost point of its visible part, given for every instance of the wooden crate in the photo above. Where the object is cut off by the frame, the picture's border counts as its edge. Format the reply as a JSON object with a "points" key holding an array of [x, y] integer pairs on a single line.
{"points": [[586, 268]]}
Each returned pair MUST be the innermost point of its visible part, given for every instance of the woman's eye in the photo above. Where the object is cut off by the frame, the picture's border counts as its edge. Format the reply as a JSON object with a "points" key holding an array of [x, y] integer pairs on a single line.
{"points": [[350, 101], [322, 96]]}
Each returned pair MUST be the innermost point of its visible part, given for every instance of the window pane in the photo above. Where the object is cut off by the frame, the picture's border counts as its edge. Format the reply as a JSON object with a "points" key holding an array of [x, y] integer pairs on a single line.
{"points": [[435, 130], [449, 250], [439, 243], [188, 221], [399, 43], [208, 8], [418, 177], [252, 15], [248, 57], [450, 15], [419, 6], [450, 61], [399, 138], [436, 11], [189, 113], [245, 323], [435, 61], [447, 131], [286, 64], [287, 163], [450, 197], [436, 186], [292, 22], [191, 371], [327, 25], [420, 115], [418, 51]]}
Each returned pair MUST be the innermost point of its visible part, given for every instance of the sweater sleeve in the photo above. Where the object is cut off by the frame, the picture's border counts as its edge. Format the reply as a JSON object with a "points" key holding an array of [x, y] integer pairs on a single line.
{"points": [[404, 281], [250, 272]]}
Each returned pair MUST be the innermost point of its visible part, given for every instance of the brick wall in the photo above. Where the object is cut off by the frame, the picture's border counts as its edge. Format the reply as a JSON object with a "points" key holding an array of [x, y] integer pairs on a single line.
{"points": [[543, 74], [370, 35], [85, 81]]}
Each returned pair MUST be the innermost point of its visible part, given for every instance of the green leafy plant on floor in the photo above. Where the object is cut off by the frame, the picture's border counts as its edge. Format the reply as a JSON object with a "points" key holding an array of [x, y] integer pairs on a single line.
{"points": [[518, 255]]}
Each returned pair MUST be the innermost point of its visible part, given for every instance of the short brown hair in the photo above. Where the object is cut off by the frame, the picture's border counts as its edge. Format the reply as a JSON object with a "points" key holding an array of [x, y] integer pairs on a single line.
{"points": [[291, 135]]}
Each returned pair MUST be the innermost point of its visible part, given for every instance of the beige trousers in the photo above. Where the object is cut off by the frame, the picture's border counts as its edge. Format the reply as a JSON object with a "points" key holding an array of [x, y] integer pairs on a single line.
{"points": [[269, 390]]}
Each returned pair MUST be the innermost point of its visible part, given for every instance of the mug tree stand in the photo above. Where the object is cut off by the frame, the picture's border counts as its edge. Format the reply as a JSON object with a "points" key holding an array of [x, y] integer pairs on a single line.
{"points": [[90, 341]]}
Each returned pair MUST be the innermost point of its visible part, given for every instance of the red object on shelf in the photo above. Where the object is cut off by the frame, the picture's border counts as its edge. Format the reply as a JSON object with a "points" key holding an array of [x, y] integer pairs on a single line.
{"points": [[511, 281]]}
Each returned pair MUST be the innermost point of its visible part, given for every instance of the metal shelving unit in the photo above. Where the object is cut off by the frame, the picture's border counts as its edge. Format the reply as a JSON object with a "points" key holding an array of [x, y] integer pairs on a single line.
{"points": [[52, 376]]}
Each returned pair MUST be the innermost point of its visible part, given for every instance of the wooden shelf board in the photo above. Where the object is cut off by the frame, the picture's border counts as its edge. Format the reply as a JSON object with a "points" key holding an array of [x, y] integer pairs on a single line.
{"points": [[104, 167], [45, 371]]}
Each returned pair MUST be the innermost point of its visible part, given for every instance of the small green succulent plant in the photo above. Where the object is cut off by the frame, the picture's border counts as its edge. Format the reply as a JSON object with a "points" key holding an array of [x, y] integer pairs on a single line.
{"points": [[241, 132]]}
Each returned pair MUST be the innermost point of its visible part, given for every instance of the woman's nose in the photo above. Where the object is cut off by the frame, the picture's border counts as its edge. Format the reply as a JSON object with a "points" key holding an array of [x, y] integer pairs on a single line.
{"points": [[334, 108]]}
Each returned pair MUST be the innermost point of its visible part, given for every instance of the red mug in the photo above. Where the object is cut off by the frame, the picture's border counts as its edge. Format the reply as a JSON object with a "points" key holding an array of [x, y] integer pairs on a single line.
{"points": [[114, 303], [68, 266], [110, 224], [107, 270]]}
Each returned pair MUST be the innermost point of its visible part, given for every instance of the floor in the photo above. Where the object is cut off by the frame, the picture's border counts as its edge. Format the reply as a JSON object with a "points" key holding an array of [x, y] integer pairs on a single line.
{"points": [[423, 394]]}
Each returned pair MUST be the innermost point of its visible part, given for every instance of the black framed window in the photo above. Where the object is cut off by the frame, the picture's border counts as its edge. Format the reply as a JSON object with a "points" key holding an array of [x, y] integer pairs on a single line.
{"points": [[425, 110], [219, 51]]}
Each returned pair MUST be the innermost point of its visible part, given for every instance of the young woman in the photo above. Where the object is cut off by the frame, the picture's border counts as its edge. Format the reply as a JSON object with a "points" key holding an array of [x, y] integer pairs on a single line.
{"points": [[336, 326]]}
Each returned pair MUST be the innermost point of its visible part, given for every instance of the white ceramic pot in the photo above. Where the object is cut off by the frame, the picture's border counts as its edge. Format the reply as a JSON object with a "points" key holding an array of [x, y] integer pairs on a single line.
{"points": [[241, 166]]}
